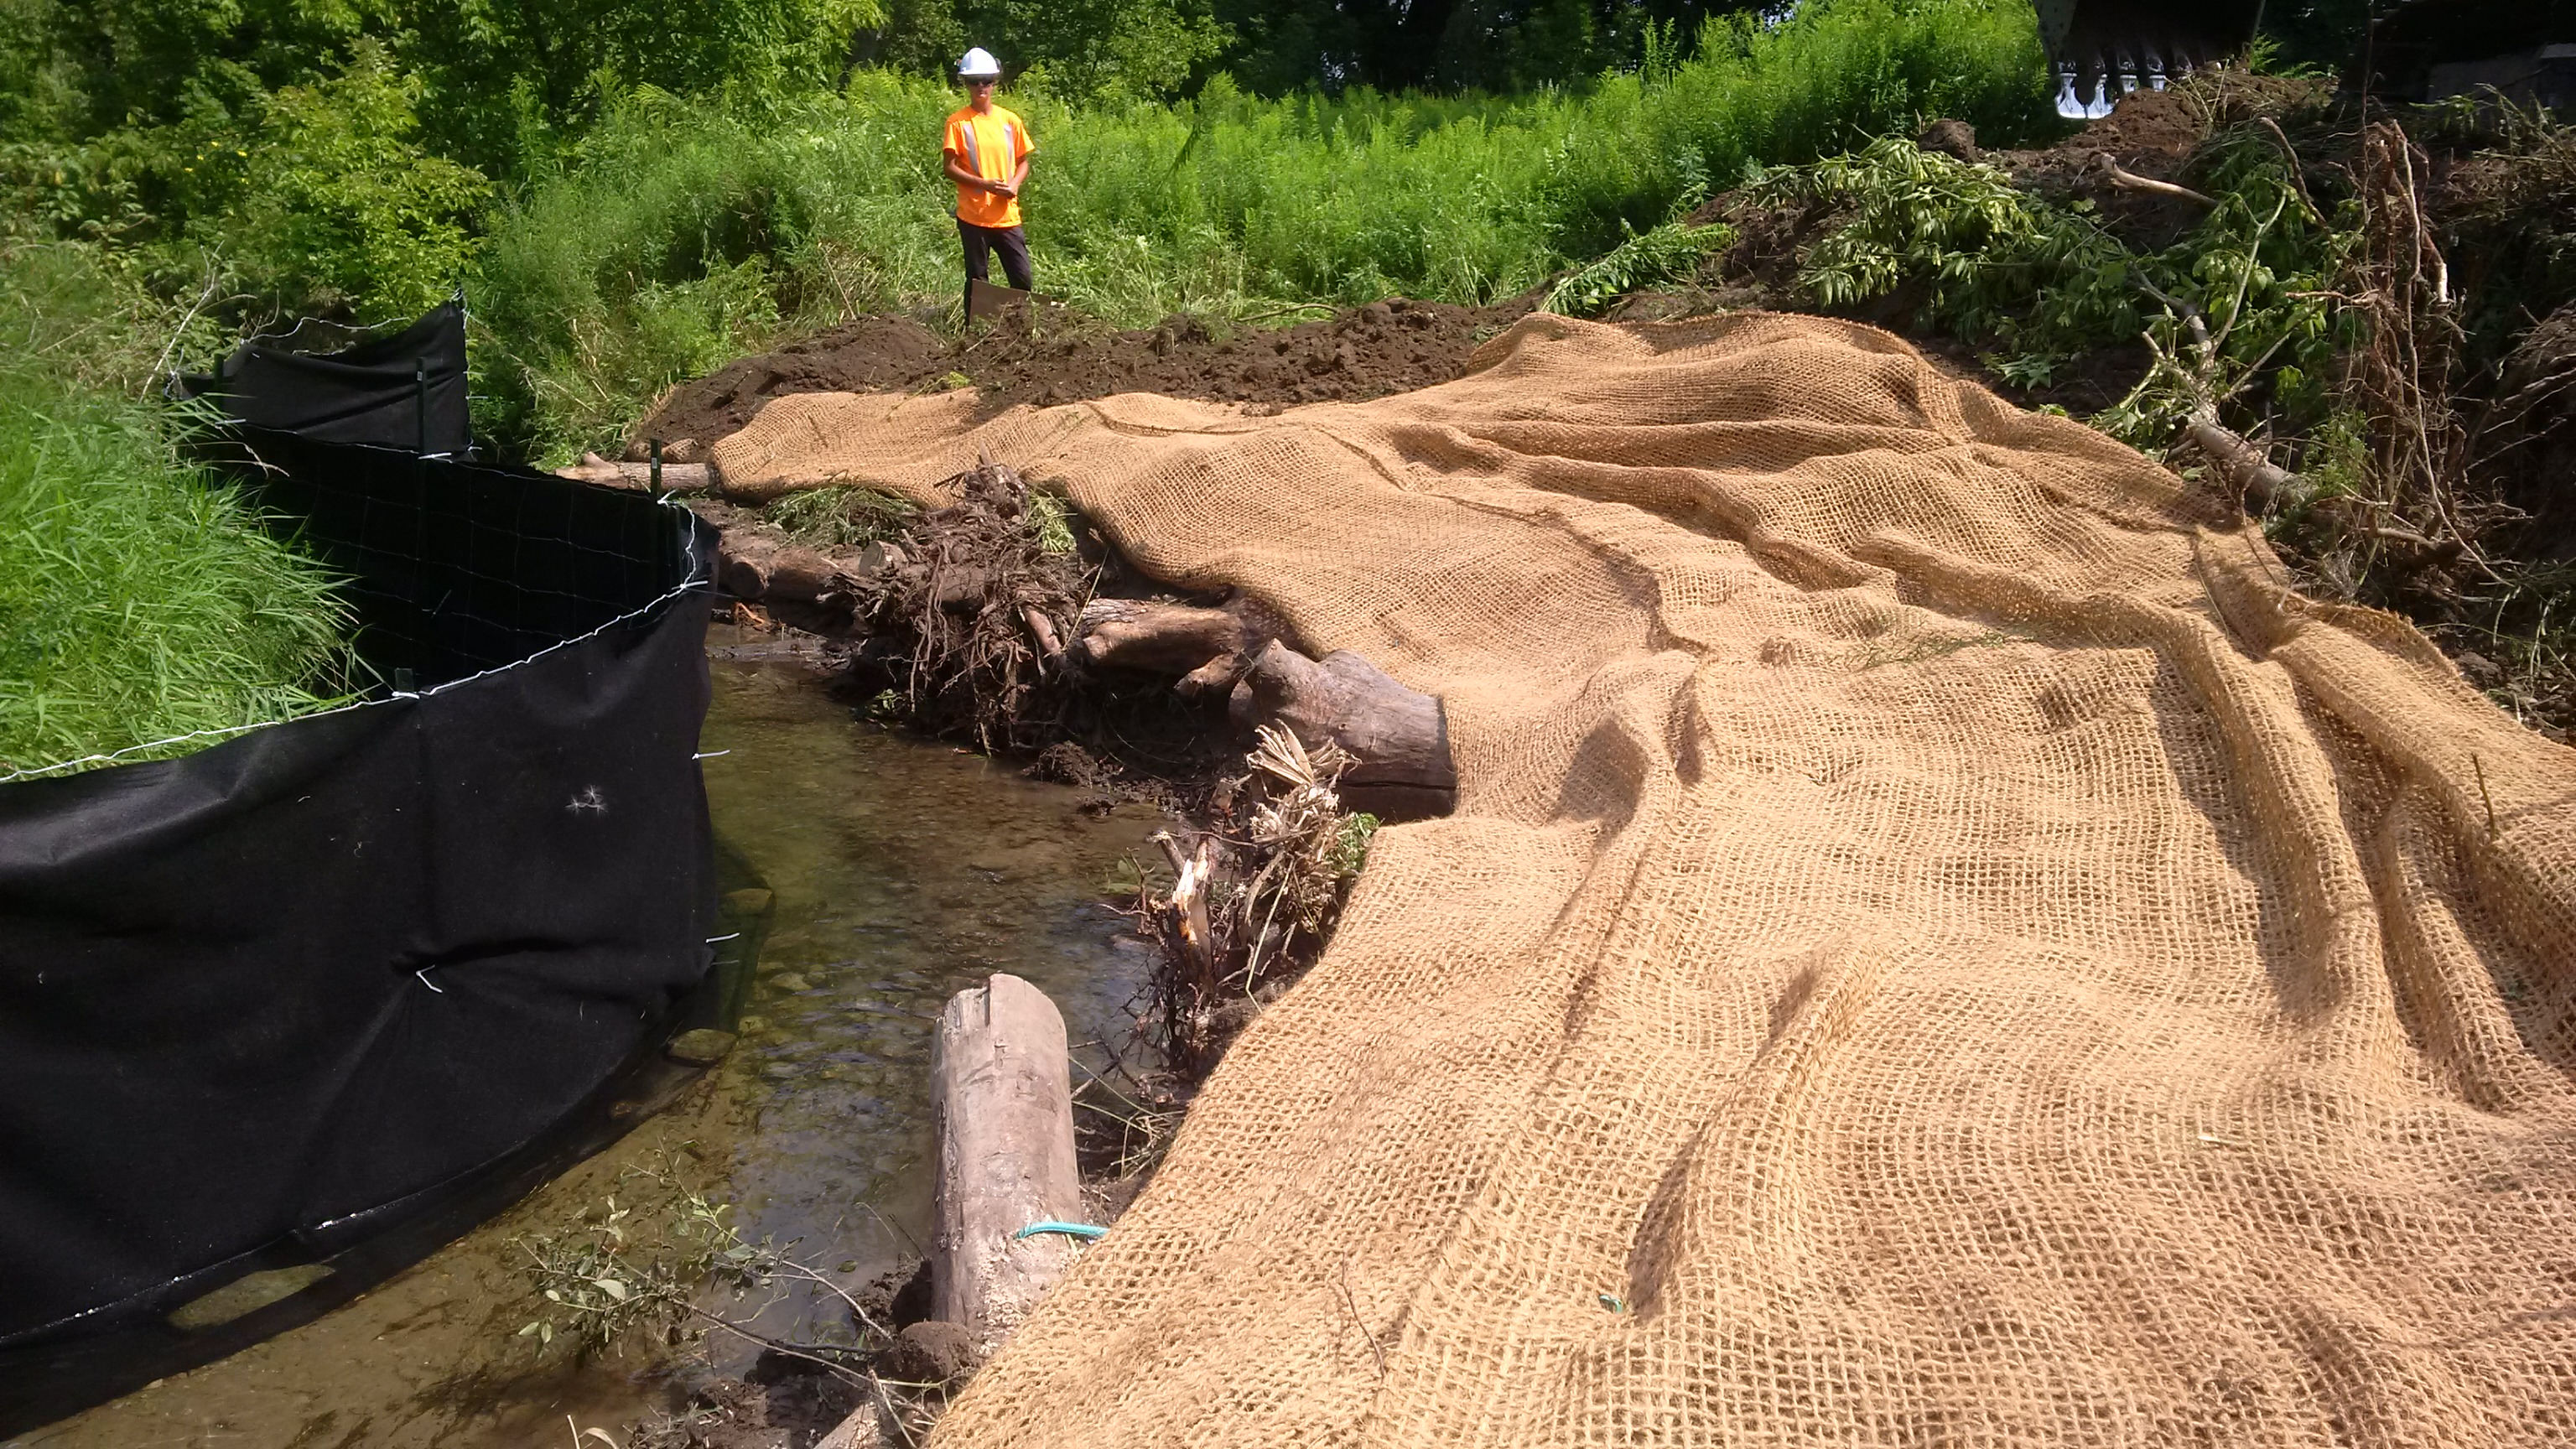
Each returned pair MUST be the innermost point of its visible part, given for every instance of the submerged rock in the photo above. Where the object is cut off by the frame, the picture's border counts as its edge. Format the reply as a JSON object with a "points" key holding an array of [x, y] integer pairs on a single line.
{"points": [[701, 1048], [246, 1295]]}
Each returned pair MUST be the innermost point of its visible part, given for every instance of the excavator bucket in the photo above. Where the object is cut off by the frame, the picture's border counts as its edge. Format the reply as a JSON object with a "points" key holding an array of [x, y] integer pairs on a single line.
{"points": [[2101, 50]]}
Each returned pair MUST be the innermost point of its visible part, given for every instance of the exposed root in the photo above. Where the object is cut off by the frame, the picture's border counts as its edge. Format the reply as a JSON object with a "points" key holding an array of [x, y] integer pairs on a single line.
{"points": [[976, 615], [1252, 901]]}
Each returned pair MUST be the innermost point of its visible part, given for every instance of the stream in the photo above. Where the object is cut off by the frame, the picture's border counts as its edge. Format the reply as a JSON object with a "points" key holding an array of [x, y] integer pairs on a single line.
{"points": [[901, 871]]}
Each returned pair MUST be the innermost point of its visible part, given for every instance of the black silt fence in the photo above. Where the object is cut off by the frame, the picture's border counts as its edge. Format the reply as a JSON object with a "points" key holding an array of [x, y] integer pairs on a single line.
{"points": [[261, 1001], [407, 390]]}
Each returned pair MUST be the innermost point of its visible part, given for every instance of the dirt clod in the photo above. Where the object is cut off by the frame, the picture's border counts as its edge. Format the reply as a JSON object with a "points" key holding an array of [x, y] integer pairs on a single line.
{"points": [[933, 1351], [1950, 138], [781, 1404]]}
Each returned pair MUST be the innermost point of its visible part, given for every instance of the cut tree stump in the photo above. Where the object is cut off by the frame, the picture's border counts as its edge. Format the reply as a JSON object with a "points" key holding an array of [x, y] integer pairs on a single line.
{"points": [[1003, 1089], [1399, 736], [743, 559]]}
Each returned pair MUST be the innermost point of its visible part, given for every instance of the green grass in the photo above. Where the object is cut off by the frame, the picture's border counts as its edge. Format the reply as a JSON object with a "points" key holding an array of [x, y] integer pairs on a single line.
{"points": [[841, 516], [141, 601], [1668, 253], [678, 235]]}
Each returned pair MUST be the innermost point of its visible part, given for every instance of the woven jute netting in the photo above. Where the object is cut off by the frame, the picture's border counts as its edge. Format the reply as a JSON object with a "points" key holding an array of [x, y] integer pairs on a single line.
{"points": [[1939, 944]]}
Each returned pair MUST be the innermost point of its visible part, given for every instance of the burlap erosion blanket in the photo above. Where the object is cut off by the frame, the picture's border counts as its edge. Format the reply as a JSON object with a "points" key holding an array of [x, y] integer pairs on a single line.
{"points": [[1938, 945]]}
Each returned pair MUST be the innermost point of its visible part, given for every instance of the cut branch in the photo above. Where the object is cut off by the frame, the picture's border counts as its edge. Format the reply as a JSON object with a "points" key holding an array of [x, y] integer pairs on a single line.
{"points": [[2128, 180], [2244, 465]]}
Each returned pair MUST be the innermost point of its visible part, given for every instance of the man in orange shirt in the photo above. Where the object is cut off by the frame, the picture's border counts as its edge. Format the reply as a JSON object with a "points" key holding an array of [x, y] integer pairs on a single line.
{"points": [[987, 152]]}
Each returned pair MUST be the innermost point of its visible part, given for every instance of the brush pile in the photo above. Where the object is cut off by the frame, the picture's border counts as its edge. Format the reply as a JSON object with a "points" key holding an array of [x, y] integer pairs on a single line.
{"points": [[1253, 898], [971, 623], [2351, 320]]}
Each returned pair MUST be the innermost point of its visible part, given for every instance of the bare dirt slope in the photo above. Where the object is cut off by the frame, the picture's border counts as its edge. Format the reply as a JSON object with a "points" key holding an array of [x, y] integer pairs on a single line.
{"points": [[1385, 347]]}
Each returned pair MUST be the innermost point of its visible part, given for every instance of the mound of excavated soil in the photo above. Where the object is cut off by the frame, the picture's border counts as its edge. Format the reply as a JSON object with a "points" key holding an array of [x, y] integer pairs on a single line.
{"points": [[1384, 347]]}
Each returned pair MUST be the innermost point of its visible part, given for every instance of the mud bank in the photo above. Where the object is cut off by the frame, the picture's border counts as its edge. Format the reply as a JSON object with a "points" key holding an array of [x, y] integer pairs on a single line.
{"points": [[1384, 347]]}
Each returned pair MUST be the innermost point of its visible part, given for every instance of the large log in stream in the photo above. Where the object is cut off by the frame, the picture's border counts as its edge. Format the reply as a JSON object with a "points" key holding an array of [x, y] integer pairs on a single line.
{"points": [[1399, 736], [1003, 1090]]}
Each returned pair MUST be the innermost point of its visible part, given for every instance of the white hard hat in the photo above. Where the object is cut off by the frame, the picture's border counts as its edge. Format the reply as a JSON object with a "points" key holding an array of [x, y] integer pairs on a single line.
{"points": [[979, 65]]}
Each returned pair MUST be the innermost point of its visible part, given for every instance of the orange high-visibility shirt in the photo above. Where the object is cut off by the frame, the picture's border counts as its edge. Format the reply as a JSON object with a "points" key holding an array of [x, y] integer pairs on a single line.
{"points": [[990, 144]]}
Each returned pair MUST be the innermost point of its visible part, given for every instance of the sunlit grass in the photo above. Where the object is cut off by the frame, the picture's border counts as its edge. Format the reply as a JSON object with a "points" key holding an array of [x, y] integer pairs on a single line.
{"points": [[681, 235], [140, 599]]}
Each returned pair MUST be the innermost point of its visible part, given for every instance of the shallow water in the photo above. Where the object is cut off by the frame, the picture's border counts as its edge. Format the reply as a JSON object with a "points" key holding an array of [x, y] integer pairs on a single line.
{"points": [[902, 872]]}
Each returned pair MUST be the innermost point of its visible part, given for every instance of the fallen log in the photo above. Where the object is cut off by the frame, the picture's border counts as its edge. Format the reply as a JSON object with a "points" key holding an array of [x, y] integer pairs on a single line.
{"points": [[743, 559], [1157, 636], [800, 575], [1003, 1092], [676, 477], [1398, 736], [1214, 677]]}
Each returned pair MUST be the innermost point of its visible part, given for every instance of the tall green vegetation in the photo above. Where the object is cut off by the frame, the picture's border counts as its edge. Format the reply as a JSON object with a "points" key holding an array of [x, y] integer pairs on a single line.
{"points": [[678, 234], [633, 191], [333, 155], [141, 600]]}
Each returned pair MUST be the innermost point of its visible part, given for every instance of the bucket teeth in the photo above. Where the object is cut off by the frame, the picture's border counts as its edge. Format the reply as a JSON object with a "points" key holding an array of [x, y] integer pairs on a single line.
{"points": [[2101, 50]]}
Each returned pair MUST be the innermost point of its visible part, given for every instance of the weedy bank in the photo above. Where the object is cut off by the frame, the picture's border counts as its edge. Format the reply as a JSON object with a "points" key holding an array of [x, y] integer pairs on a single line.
{"points": [[143, 599], [2359, 323]]}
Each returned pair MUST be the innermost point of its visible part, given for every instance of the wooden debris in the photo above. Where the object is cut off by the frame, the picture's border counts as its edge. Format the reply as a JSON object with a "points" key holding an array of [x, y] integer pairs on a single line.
{"points": [[1398, 737], [1003, 1092], [1158, 636], [676, 477], [2128, 180], [2241, 463]]}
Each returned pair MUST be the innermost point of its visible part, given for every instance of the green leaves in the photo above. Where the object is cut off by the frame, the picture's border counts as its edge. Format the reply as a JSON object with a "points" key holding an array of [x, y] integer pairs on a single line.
{"points": [[1668, 253], [2048, 282], [1349, 854], [2000, 263], [341, 206]]}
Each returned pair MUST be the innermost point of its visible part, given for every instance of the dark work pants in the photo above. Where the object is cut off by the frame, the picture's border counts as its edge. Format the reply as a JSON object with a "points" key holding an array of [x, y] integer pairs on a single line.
{"points": [[981, 241]]}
